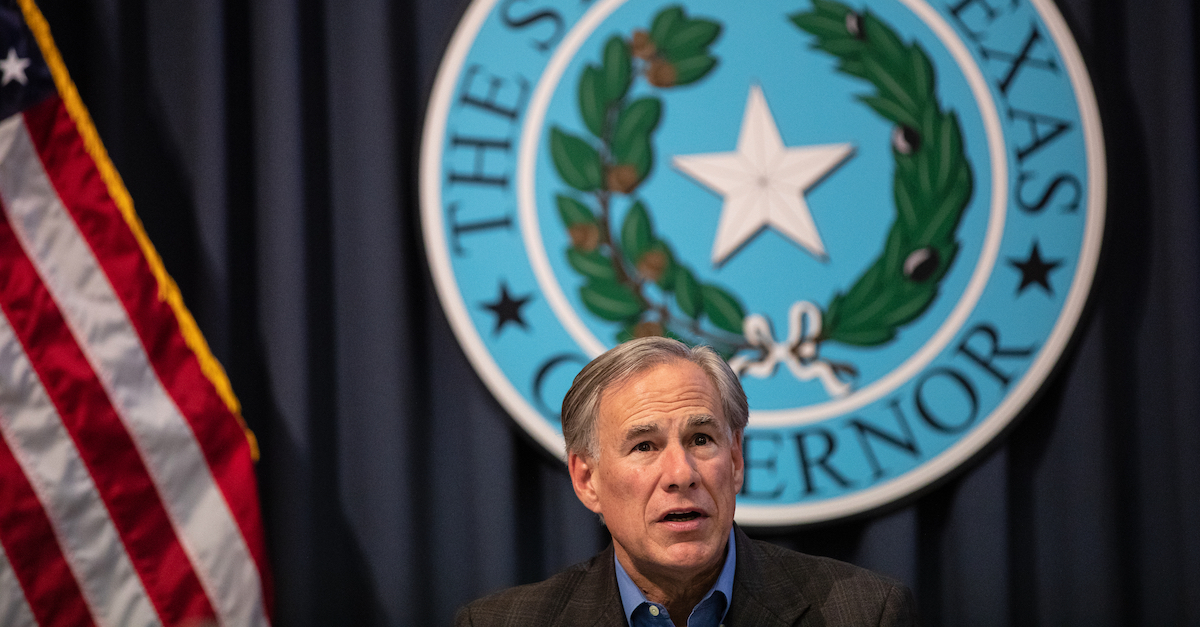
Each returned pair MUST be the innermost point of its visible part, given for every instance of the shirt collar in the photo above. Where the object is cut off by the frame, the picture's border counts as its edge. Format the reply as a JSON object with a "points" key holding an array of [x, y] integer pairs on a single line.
{"points": [[632, 597]]}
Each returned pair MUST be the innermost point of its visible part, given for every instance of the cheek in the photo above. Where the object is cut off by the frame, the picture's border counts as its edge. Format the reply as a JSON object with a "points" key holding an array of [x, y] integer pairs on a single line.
{"points": [[624, 480], [724, 479], [638, 479]]}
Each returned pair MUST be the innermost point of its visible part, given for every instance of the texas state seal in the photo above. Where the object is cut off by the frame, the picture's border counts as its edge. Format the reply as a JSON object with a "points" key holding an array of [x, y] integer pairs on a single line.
{"points": [[886, 215]]}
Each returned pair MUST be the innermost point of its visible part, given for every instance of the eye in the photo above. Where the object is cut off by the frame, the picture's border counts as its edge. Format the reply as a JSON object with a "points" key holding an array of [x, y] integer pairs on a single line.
{"points": [[642, 447], [702, 439]]}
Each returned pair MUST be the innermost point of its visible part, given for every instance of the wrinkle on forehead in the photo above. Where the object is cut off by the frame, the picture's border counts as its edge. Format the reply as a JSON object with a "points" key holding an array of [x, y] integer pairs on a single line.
{"points": [[667, 397]]}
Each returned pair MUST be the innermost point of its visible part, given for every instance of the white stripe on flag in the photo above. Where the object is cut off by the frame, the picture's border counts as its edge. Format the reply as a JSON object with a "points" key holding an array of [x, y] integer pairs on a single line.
{"points": [[47, 455], [203, 522], [14, 610]]}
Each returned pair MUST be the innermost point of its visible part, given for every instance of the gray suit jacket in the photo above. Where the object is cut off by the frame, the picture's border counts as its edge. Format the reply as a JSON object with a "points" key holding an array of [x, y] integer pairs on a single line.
{"points": [[772, 587]]}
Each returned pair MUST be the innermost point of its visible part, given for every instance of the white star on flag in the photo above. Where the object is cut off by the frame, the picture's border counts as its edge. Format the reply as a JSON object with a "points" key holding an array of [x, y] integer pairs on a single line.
{"points": [[13, 68], [763, 182]]}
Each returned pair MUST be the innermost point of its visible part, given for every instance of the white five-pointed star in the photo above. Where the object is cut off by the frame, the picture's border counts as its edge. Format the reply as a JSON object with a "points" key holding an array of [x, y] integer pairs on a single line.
{"points": [[13, 68], [763, 182]]}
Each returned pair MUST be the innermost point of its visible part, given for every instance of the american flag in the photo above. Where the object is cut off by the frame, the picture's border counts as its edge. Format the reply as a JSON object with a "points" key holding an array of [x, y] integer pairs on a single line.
{"points": [[127, 490]]}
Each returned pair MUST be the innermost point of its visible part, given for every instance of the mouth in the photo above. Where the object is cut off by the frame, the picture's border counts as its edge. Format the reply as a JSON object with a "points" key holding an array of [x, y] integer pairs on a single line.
{"points": [[682, 515]]}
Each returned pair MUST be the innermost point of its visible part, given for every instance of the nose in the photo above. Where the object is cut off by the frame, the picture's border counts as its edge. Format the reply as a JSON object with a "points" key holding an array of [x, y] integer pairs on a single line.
{"points": [[678, 468]]}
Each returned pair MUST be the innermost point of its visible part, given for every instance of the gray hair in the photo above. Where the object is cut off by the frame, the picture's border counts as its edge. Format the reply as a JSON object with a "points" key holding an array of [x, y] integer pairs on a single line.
{"points": [[581, 406]]}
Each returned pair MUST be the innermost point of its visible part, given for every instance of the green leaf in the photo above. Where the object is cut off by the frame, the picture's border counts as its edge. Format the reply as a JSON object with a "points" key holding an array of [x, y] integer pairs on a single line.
{"points": [[821, 25], [687, 293], [664, 23], [593, 265], [592, 104], [921, 71], [631, 139], [930, 158], [908, 308], [829, 7], [864, 290], [638, 154], [635, 122], [723, 309], [692, 69], [889, 86], [829, 321], [906, 210], [846, 47], [951, 144], [610, 300], [945, 220], [693, 35], [948, 252], [893, 252], [890, 110], [929, 127], [905, 165], [884, 40], [576, 161], [922, 183], [574, 212], [617, 71], [853, 67], [862, 329], [872, 290], [636, 232]]}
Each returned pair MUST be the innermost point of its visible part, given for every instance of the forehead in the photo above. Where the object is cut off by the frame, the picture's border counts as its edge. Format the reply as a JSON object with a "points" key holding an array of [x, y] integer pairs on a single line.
{"points": [[660, 391]]}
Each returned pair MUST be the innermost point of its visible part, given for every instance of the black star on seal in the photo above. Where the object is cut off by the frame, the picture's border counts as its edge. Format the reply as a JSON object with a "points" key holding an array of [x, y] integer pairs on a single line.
{"points": [[508, 309], [1035, 269]]}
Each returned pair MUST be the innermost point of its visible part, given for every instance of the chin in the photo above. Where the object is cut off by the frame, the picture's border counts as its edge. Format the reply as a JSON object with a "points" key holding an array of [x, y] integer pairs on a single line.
{"points": [[694, 554]]}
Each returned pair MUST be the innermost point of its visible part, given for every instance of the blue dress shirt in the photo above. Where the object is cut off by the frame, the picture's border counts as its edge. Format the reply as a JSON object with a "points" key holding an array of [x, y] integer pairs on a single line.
{"points": [[710, 612]]}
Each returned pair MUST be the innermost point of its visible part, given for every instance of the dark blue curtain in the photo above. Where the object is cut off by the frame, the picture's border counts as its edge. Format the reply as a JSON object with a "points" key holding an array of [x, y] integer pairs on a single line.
{"points": [[270, 148]]}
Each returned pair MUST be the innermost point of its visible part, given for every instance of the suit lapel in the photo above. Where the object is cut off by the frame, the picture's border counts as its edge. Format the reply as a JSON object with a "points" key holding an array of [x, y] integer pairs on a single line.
{"points": [[595, 600], [763, 593]]}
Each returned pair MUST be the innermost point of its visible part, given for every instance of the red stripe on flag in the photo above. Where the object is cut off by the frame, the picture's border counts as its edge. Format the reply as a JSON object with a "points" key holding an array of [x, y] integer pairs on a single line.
{"points": [[77, 181], [101, 439], [33, 551]]}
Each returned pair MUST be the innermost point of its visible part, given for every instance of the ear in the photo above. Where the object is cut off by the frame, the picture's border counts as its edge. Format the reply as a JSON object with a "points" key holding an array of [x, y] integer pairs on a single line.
{"points": [[583, 477], [739, 462]]}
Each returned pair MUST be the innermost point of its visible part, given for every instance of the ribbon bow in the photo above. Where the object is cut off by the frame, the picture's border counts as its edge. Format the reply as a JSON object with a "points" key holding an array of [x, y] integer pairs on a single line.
{"points": [[799, 352]]}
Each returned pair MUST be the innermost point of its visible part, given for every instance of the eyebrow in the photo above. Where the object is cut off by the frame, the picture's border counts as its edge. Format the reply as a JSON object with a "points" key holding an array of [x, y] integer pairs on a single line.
{"points": [[648, 428], [637, 431]]}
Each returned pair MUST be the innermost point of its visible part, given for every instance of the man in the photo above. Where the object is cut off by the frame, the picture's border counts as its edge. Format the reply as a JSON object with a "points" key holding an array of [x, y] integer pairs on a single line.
{"points": [[654, 446]]}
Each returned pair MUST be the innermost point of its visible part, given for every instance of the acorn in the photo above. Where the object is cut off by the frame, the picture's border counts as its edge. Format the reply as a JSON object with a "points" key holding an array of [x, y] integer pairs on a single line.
{"points": [[585, 237], [921, 264], [648, 328], [854, 25], [906, 140], [621, 178], [643, 46], [652, 265], [661, 73]]}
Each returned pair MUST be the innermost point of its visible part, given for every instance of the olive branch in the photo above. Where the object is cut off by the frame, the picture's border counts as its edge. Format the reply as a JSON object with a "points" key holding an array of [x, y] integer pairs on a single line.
{"points": [[621, 266], [932, 182]]}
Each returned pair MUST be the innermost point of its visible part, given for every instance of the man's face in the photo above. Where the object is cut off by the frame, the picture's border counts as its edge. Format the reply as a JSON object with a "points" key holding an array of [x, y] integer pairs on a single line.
{"points": [[668, 470]]}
